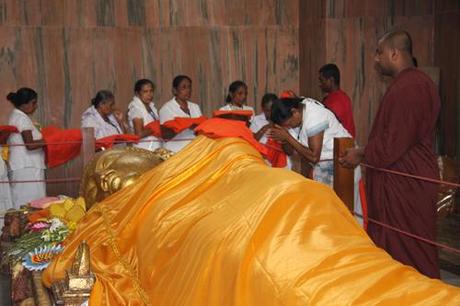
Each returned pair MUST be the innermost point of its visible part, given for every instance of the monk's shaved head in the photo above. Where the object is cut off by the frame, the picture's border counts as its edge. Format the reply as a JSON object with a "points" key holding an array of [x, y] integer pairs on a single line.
{"points": [[400, 40], [394, 53]]}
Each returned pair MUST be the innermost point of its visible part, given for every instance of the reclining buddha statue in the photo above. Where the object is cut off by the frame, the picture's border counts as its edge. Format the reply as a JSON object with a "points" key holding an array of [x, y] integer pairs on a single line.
{"points": [[214, 225], [112, 170]]}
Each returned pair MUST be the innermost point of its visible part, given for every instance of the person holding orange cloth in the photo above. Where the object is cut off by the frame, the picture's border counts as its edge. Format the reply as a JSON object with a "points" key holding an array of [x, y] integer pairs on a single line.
{"points": [[5, 190], [179, 107], [141, 113], [236, 98], [317, 128]]}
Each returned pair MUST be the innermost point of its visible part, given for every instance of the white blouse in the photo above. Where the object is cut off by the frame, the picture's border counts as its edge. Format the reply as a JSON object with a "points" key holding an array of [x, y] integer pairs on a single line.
{"points": [[316, 118], [20, 157], [102, 128], [257, 123], [137, 109], [171, 110]]}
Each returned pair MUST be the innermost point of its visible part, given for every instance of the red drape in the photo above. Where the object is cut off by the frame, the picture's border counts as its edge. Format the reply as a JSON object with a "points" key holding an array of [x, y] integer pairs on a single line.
{"points": [[154, 126], [8, 128], [61, 145]]}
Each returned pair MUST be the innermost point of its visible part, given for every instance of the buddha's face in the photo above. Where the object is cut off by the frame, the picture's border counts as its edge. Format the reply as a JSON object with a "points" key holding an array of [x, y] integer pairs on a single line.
{"points": [[112, 170]]}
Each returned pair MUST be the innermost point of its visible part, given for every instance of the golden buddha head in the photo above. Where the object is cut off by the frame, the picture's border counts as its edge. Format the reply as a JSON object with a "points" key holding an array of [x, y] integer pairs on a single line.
{"points": [[112, 170]]}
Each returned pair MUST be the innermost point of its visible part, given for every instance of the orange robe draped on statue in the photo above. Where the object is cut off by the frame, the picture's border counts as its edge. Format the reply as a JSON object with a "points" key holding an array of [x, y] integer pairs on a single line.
{"points": [[214, 225]]}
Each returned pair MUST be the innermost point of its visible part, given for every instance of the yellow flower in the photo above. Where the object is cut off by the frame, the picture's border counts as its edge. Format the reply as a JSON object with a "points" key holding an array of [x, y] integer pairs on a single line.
{"points": [[71, 210], [71, 225]]}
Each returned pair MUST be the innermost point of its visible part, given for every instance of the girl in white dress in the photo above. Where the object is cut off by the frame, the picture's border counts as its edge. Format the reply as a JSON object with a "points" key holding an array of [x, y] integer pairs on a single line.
{"points": [[236, 98], [179, 107], [142, 111], [27, 158]]}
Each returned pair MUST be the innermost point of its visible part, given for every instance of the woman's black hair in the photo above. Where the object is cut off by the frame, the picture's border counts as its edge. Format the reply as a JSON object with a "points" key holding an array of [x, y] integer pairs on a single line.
{"points": [[267, 98], [178, 79], [233, 88], [142, 82], [23, 96], [101, 97], [282, 109]]}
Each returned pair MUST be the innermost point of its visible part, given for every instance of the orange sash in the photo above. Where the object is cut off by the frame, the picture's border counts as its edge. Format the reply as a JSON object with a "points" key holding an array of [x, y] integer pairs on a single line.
{"points": [[108, 142], [178, 124], [218, 128], [275, 154]]}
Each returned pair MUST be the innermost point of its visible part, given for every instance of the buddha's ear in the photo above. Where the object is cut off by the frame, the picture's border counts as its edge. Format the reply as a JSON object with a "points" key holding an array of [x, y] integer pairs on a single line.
{"points": [[104, 179]]}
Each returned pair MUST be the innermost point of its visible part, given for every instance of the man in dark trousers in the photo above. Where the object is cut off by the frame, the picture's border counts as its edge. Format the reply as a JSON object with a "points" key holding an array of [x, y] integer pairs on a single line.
{"points": [[402, 139]]}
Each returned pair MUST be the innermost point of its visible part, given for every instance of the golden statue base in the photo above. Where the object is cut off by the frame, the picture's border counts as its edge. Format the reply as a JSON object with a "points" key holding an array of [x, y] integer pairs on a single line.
{"points": [[64, 296], [76, 288]]}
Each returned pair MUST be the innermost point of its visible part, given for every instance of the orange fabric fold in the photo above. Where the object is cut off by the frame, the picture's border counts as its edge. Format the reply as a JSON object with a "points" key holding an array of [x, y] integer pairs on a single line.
{"points": [[109, 141], [38, 215], [154, 126], [243, 113], [61, 145], [178, 124], [219, 128], [275, 154]]}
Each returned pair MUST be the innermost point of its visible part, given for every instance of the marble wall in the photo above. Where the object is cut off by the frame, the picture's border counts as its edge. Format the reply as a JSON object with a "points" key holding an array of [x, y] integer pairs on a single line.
{"points": [[347, 33], [446, 57], [69, 49]]}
